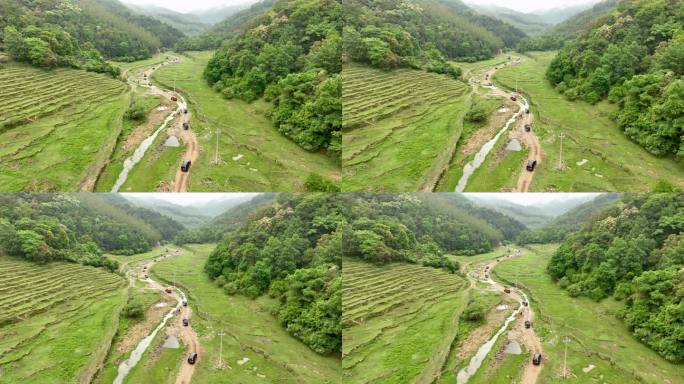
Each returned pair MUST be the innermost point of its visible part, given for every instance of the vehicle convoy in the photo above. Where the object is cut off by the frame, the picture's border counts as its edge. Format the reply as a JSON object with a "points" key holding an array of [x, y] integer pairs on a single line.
{"points": [[513, 98], [528, 324], [528, 128], [186, 126], [531, 165], [507, 290], [174, 98], [167, 290], [185, 303], [524, 303], [185, 166], [185, 110], [185, 322]]}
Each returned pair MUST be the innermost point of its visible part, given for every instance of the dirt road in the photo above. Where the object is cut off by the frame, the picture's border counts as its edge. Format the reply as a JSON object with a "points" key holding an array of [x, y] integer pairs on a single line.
{"points": [[528, 139], [186, 333], [517, 332]]}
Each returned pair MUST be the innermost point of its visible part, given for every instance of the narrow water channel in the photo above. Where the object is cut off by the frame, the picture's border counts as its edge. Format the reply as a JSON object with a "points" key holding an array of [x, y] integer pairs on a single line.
{"points": [[126, 366], [134, 159], [481, 155]]}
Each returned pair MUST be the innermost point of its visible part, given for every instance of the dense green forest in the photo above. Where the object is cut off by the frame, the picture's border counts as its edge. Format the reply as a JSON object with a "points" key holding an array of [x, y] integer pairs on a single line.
{"points": [[559, 35], [76, 227], [567, 223], [634, 252], [635, 58], [421, 34], [291, 56], [290, 249], [420, 229], [79, 33]]}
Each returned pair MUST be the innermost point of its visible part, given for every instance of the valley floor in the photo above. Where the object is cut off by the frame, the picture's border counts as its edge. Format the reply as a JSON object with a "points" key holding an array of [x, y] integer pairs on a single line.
{"points": [[252, 154]]}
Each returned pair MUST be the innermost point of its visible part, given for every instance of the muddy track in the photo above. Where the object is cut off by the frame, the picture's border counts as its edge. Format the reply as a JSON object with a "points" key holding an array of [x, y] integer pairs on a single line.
{"points": [[185, 333], [528, 139], [517, 331]]}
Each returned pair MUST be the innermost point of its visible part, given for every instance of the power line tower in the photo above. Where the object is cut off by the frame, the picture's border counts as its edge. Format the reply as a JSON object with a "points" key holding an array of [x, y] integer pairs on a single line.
{"points": [[216, 159], [219, 364], [560, 156], [566, 340]]}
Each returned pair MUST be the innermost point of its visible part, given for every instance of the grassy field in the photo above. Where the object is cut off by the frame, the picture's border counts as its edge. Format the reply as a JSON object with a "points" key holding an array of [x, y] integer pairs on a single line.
{"points": [[250, 331], [597, 336], [56, 321], [253, 156], [57, 127], [399, 321], [614, 162], [399, 127]]}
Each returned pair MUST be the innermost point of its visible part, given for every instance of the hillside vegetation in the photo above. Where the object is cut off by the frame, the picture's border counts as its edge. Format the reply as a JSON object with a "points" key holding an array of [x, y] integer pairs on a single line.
{"points": [[291, 56], [290, 250], [79, 33], [634, 58], [421, 34], [56, 321], [399, 321], [397, 126], [56, 126], [77, 228], [633, 252]]}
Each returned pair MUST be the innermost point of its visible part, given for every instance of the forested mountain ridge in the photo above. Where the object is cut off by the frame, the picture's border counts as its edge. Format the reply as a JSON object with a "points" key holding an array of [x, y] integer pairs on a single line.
{"points": [[633, 251], [569, 222], [290, 55], [79, 33], [569, 29], [635, 58], [77, 228], [421, 34]]}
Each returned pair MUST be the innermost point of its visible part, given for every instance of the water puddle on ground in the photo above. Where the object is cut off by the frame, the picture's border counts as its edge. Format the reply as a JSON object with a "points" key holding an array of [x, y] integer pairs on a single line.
{"points": [[513, 348], [171, 342]]}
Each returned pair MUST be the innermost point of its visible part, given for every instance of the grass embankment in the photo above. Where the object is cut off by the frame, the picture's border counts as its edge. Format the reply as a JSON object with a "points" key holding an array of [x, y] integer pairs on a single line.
{"points": [[399, 128], [57, 127], [56, 321], [614, 162], [253, 155], [110, 173], [597, 336], [399, 321], [138, 292], [251, 331]]}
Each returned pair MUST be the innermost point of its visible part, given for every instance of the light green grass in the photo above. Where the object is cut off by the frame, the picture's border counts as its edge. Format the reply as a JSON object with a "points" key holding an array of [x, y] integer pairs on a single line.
{"points": [[399, 321], [110, 173], [598, 337], [269, 162], [251, 331], [58, 320], [57, 127], [399, 127], [615, 162]]}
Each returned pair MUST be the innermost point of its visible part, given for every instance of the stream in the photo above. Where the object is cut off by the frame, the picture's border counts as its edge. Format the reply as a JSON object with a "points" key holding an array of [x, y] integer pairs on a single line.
{"points": [[126, 366], [476, 361], [480, 157], [134, 159]]}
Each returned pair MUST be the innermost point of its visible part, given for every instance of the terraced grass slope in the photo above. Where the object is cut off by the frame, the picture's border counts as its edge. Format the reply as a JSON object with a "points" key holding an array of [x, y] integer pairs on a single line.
{"points": [[613, 162], [253, 155], [251, 332], [57, 127], [399, 321], [399, 128], [56, 321], [600, 343]]}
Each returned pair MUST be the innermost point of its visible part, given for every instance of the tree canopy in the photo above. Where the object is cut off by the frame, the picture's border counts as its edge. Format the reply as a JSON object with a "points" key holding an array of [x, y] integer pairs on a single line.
{"points": [[633, 57], [634, 252], [291, 56]]}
